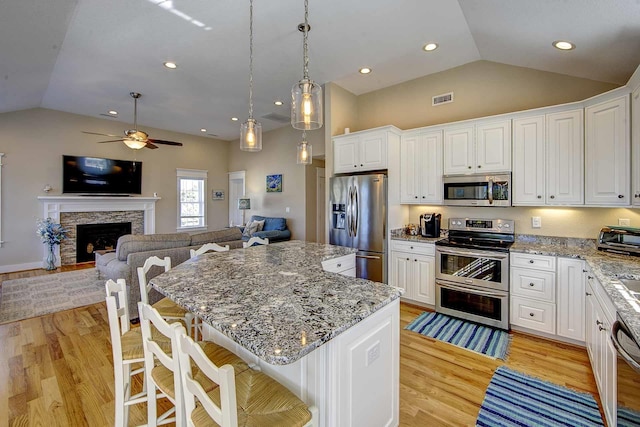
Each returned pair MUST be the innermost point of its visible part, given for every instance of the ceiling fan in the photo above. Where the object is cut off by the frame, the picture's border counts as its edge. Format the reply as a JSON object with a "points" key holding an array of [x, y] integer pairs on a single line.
{"points": [[134, 138]]}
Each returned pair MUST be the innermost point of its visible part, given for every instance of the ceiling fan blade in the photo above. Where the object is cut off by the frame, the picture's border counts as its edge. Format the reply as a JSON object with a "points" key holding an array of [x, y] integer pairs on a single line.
{"points": [[111, 140], [161, 141], [150, 145], [101, 134]]}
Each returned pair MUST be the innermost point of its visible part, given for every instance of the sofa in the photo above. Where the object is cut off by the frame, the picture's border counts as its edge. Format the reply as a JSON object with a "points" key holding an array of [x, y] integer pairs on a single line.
{"points": [[132, 250], [275, 229]]}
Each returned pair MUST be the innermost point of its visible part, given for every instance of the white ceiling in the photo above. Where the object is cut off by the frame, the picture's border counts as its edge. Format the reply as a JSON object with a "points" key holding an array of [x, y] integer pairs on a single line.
{"points": [[85, 56]]}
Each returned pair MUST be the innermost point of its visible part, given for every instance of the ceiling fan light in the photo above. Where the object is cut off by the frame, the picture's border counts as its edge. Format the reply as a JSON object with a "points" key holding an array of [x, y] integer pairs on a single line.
{"points": [[306, 105], [251, 136], [134, 144]]}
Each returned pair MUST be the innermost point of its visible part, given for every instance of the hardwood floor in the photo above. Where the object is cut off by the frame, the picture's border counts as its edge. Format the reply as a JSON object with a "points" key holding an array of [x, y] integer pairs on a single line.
{"points": [[56, 370]]}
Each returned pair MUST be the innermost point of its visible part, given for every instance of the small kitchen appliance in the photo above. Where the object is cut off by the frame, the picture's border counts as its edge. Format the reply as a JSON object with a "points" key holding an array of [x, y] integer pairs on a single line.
{"points": [[430, 224], [622, 240]]}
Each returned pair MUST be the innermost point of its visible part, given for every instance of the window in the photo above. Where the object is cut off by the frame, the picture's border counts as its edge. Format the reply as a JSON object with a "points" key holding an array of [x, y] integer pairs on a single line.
{"points": [[192, 201]]}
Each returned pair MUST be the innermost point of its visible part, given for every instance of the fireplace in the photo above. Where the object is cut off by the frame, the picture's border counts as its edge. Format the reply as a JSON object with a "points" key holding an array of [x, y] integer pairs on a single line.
{"points": [[96, 237]]}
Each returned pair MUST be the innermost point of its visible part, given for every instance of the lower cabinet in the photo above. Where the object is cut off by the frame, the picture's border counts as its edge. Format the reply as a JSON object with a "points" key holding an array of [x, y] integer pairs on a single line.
{"points": [[603, 356], [413, 269], [345, 265], [571, 295]]}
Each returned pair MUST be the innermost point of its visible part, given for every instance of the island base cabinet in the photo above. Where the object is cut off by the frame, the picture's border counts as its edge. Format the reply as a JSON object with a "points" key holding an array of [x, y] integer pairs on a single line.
{"points": [[353, 379]]}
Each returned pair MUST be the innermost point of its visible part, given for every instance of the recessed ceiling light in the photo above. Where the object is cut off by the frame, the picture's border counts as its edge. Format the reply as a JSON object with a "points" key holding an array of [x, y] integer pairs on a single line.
{"points": [[563, 45], [171, 65], [113, 112], [203, 130], [430, 46], [365, 70], [278, 102], [235, 119]]}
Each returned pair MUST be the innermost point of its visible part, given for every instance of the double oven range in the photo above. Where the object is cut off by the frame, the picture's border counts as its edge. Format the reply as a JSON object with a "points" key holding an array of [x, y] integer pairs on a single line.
{"points": [[472, 270]]}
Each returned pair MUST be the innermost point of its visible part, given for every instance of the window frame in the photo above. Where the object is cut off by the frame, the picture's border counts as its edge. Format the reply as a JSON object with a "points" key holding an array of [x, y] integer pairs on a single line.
{"points": [[194, 175]]}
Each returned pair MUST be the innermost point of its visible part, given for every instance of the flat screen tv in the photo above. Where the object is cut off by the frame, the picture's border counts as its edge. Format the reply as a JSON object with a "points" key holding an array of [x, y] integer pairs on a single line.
{"points": [[93, 175]]}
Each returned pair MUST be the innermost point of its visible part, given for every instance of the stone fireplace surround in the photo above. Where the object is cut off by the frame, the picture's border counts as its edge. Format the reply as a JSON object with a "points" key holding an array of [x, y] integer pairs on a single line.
{"points": [[72, 210]]}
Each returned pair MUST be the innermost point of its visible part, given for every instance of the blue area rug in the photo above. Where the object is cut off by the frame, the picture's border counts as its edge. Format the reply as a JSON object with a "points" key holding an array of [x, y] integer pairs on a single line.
{"points": [[628, 417], [471, 336], [515, 399]]}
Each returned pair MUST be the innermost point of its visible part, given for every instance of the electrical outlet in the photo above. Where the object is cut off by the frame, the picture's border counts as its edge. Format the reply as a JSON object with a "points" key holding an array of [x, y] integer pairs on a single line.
{"points": [[373, 353], [624, 221], [287, 209], [536, 222]]}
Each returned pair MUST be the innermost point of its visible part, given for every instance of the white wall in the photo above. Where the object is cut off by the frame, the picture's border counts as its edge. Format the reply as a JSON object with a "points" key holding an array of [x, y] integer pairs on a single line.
{"points": [[35, 140]]}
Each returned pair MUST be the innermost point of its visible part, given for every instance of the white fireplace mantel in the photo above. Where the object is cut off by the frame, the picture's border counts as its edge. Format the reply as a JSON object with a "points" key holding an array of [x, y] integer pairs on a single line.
{"points": [[54, 205]]}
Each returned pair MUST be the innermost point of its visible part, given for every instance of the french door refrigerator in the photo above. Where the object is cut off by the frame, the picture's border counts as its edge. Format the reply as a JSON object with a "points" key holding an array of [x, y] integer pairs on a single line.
{"points": [[359, 220]]}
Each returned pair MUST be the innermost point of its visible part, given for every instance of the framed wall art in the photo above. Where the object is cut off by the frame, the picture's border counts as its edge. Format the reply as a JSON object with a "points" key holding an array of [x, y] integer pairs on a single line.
{"points": [[217, 194], [274, 183]]}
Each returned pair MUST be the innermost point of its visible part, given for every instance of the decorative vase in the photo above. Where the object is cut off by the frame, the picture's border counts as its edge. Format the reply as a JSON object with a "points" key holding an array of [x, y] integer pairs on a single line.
{"points": [[50, 260]]}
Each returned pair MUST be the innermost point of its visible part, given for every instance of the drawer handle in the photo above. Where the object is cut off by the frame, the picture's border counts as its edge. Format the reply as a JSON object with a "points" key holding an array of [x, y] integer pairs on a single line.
{"points": [[539, 197], [339, 265], [415, 260], [590, 277], [553, 197], [407, 259], [411, 247], [531, 314], [584, 271], [531, 284], [588, 294], [620, 196], [531, 261]]}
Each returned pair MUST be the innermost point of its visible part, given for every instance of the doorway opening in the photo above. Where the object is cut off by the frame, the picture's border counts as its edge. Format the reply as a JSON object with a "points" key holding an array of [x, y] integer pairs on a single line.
{"points": [[236, 191]]}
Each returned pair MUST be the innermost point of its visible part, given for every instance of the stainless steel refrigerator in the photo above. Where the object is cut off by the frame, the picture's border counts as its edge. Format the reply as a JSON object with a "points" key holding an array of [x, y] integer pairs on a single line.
{"points": [[359, 220]]}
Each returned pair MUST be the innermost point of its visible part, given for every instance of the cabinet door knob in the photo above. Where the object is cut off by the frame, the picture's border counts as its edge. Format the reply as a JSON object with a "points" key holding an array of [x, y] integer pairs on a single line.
{"points": [[620, 196], [531, 284], [339, 265], [584, 271], [411, 247], [407, 259], [539, 197], [601, 328], [479, 166], [531, 314], [468, 167], [531, 261], [415, 260], [355, 166], [361, 165], [416, 197], [588, 294], [635, 195], [423, 197], [599, 322], [552, 197], [589, 277]]}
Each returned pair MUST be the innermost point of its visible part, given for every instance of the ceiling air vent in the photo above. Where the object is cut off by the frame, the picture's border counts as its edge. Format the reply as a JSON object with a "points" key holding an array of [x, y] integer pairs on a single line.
{"points": [[442, 99], [277, 117]]}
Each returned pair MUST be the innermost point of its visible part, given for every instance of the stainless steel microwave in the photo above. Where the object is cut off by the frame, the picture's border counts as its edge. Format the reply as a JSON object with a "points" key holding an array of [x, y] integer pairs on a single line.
{"points": [[477, 190]]}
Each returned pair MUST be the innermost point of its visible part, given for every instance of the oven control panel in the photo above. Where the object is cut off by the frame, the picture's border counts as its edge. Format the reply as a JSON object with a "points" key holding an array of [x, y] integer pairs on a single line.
{"points": [[481, 224]]}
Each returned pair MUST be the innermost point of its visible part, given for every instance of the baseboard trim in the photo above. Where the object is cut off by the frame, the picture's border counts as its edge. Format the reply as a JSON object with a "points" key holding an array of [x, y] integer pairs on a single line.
{"points": [[20, 267]]}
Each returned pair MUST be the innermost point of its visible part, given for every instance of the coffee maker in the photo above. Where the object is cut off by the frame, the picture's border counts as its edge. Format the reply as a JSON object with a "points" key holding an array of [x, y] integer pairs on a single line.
{"points": [[430, 224]]}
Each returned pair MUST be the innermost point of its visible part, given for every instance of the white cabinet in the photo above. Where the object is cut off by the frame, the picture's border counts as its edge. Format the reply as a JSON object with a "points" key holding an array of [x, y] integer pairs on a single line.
{"points": [[421, 167], [477, 148], [533, 292], [599, 317], [635, 144], [607, 153], [571, 298], [345, 265], [363, 151], [528, 180], [565, 158], [413, 269]]}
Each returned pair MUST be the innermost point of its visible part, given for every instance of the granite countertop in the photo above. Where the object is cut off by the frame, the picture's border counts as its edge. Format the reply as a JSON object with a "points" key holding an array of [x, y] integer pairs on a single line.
{"points": [[606, 267], [399, 234], [274, 300]]}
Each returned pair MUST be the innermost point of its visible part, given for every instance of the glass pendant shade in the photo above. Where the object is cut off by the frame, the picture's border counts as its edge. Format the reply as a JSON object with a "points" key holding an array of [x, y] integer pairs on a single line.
{"points": [[134, 144], [306, 105], [251, 136], [304, 153]]}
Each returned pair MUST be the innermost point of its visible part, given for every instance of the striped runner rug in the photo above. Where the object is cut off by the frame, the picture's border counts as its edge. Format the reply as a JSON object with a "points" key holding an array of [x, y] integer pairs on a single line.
{"points": [[515, 399], [471, 336]]}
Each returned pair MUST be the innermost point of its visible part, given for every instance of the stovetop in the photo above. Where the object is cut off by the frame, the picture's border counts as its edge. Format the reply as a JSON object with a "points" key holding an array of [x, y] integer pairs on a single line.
{"points": [[480, 234]]}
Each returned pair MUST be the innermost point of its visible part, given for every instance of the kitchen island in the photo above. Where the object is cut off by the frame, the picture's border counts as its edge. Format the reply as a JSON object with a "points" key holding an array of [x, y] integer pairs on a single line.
{"points": [[333, 340]]}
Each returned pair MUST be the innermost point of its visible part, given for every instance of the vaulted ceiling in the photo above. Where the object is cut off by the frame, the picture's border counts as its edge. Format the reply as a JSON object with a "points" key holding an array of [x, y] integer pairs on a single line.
{"points": [[85, 56]]}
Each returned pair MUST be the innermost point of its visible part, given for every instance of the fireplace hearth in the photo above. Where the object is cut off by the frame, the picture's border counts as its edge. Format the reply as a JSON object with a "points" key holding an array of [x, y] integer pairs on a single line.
{"points": [[95, 237]]}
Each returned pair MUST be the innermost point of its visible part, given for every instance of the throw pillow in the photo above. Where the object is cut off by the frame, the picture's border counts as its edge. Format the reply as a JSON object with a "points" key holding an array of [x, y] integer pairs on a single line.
{"points": [[252, 227]]}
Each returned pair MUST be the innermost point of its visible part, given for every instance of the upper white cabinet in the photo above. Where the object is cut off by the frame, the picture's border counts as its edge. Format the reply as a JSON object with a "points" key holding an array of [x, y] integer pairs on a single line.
{"points": [[565, 158], [528, 161], [635, 144], [421, 167], [608, 150], [478, 147], [362, 151]]}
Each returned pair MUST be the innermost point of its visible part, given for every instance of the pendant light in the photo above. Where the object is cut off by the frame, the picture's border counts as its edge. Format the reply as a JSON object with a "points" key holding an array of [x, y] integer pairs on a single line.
{"points": [[306, 95], [304, 151], [251, 130]]}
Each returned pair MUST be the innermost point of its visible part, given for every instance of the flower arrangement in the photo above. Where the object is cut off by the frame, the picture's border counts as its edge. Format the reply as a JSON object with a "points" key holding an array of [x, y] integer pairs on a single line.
{"points": [[50, 232]]}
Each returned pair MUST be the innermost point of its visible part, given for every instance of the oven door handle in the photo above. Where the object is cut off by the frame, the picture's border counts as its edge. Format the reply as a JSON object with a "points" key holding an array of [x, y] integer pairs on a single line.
{"points": [[617, 326], [471, 253], [472, 290]]}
